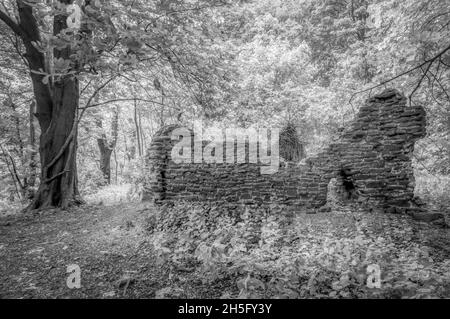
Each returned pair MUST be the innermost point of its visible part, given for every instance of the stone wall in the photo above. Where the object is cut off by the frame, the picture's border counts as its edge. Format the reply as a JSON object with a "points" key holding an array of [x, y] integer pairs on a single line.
{"points": [[370, 163]]}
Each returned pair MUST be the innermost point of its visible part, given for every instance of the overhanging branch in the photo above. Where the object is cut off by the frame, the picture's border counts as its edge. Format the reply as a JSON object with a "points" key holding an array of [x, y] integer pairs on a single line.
{"points": [[11, 23], [428, 62], [119, 100]]}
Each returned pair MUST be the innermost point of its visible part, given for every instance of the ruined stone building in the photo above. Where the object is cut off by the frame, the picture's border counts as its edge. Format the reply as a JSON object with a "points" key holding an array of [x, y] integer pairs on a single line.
{"points": [[369, 163]]}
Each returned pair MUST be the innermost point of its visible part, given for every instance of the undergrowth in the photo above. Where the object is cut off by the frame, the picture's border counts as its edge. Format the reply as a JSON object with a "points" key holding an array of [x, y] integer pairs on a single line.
{"points": [[115, 194], [434, 189], [267, 253]]}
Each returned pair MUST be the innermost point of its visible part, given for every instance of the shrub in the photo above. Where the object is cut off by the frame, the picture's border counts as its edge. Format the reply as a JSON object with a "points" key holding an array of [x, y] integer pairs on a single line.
{"points": [[268, 254]]}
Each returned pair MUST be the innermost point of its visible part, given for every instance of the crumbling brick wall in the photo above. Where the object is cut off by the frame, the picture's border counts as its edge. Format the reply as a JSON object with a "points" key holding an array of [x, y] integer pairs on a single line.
{"points": [[372, 156]]}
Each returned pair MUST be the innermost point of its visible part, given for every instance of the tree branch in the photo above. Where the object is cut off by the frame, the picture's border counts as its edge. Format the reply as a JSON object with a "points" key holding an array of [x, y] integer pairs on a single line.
{"points": [[11, 23], [118, 100], [430, 61], [420, 81]]}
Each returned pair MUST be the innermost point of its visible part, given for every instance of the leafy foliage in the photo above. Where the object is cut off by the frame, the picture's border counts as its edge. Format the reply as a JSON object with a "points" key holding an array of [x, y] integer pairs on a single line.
{"points": [[270, 254]]}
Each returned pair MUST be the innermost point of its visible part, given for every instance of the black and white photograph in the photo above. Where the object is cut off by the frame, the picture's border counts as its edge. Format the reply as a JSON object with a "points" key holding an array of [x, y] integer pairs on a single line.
{"points": [[236, 151]]}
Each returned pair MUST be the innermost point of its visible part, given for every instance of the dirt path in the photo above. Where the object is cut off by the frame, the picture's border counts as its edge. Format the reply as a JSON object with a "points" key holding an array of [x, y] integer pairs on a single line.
{"points": [[106, 242]]}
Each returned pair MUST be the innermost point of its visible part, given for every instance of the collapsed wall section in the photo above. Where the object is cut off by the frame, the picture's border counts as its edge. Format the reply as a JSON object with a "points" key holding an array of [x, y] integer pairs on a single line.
{"points": [[370, 162]]}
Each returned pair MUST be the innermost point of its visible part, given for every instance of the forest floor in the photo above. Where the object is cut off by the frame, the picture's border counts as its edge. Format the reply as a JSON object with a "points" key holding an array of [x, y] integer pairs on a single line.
{"points": [[118, 259]]}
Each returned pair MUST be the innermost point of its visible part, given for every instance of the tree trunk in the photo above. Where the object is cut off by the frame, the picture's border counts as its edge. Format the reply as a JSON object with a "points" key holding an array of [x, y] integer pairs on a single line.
{"points": [[105, 159], [138, 129], [20, 153], [106, 148], [116, 166], [58, 141], [58, 148], [31, 182], [56, 109]]}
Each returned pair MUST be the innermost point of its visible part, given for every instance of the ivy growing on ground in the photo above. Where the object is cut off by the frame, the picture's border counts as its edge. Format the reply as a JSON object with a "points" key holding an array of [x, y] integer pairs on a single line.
{"points": [[267, 252]]}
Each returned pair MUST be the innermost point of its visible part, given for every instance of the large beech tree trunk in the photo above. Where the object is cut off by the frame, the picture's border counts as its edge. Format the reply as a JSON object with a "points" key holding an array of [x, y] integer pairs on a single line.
{"points": [[56, 109], [58, 148], [58, 141]]}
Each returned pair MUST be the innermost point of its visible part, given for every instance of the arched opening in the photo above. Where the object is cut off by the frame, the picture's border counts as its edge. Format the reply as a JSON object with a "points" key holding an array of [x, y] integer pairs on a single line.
{"points": [[342, 188], [348, 186]]}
